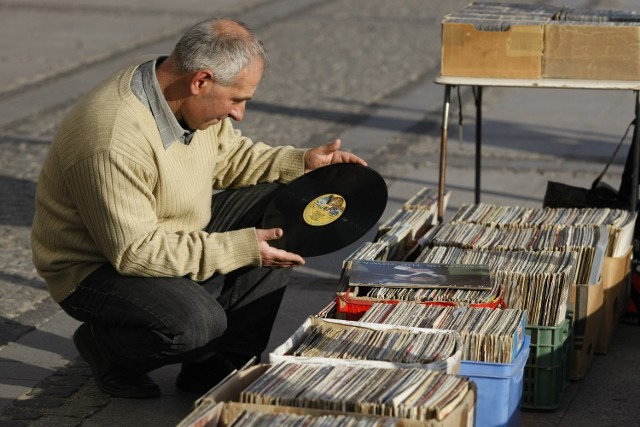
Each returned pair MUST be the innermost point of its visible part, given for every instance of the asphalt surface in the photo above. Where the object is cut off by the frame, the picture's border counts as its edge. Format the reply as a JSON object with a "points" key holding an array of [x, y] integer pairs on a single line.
{"points": [[360, 70]]}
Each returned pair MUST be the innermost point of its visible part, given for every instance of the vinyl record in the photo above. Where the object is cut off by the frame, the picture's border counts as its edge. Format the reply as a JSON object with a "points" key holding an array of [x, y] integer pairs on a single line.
{"points": [[327, 209]]}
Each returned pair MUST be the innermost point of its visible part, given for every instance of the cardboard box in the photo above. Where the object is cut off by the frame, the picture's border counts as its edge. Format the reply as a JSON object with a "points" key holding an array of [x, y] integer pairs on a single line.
{"points": [[228, 392], [470, 52], [588, 301], [450, 365], [615, 274], [625, 282], [591, 51]]}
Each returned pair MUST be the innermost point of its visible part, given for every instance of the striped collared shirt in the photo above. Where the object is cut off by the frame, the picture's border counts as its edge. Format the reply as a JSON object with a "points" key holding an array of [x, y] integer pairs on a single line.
{"points": [[144, 84]]}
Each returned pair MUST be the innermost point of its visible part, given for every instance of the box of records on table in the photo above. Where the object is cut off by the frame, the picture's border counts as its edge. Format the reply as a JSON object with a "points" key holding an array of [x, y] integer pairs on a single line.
{"points": [[495, 40], [339, 342], [380, 396], [593, 44], [521, 41]]}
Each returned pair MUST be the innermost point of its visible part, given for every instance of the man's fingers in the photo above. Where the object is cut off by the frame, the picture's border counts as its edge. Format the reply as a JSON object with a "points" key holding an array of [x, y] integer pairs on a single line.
{"points": [[269, 234], [273, 257], [281, 257], [334, 146]]}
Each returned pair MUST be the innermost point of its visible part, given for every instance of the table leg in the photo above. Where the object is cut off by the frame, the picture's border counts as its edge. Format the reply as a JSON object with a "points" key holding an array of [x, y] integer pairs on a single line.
{"points": [[443, 151], [636, 156], [478, 101]]}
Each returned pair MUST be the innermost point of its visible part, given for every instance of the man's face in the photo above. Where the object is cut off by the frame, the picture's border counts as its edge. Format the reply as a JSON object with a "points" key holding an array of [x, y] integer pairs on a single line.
{"points": [[213, 102]]}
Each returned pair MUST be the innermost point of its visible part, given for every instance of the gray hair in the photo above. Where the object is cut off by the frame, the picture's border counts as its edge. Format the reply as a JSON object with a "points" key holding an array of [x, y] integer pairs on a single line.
{"points": [[219, 45]]}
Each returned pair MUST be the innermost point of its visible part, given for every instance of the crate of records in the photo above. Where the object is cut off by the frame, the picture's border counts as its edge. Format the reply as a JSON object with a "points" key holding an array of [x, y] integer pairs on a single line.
{"points": [[547, 372], [365, 282], [495, 352], [576, 256], [592, 44], [495, 40], [339, 342], [331, 394], [500, 387]]}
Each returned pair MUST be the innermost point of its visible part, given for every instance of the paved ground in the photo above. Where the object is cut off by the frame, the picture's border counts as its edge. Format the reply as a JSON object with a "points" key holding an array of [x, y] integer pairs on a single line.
{"points": [[360, 70]]}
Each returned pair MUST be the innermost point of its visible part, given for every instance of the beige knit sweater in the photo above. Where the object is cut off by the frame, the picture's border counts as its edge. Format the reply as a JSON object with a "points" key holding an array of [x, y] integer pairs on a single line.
{"points": [[110, 192]]}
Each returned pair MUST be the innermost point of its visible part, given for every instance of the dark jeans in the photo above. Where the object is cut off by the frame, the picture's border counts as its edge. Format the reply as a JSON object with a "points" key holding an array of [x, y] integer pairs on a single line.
{"points": [[143, 323]]}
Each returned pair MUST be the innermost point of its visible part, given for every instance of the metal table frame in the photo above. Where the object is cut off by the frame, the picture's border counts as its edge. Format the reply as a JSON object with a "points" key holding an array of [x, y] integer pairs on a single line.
{"points": [[479, 83]]}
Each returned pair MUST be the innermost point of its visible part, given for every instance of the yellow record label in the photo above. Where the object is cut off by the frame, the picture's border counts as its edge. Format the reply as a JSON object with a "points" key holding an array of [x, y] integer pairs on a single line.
{"points": [[324, 209]]}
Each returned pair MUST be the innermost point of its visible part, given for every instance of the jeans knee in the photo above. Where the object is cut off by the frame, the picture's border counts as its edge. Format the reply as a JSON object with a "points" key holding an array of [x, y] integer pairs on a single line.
{"points": [[199, 329]]}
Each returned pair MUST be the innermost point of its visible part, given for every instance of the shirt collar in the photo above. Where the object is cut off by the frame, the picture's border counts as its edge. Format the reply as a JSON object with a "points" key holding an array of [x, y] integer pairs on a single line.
{"points": [[168, 126]]}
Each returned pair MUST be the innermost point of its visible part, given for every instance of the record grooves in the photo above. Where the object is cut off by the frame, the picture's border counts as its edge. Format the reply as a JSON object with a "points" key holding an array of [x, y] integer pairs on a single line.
{"points": [[326, 209]]}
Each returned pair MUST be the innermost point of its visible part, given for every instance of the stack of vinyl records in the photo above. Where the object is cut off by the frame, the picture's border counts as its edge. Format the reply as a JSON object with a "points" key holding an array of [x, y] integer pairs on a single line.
{"points": [[404, 231], [419, 281], [336, 396], [338, 342], [589, 243], [618, 222], [620, 17], [492, 16], [488, 335], [368, 282], [536, 281], [378, 250], [360, 343], [253, 418], [415, 394], [488, 16]]}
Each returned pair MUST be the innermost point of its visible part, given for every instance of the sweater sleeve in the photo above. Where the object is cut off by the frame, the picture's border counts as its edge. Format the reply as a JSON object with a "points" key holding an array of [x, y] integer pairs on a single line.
{"points": [[243, 162], [116, 204]]}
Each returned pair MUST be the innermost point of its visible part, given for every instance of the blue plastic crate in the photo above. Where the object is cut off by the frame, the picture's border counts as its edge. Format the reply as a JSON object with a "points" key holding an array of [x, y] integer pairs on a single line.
{"points": [[499, 388]]}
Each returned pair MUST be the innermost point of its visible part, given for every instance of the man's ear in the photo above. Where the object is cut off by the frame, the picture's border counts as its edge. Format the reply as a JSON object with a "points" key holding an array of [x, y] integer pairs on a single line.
{"points": [[201, 80]]}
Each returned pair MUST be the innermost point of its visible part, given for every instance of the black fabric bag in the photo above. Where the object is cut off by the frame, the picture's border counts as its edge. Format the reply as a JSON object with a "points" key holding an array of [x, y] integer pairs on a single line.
{"points": [[599, 195], [603, 196]]}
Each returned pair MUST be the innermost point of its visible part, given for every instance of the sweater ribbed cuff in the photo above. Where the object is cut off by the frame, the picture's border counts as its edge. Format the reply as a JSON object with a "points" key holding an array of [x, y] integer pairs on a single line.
{"points": [[243, 251], [291, 165]]}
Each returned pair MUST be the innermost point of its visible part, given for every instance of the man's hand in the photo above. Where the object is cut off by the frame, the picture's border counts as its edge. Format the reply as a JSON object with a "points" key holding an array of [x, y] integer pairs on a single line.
{"points": [[272, 257], [329, 154]]}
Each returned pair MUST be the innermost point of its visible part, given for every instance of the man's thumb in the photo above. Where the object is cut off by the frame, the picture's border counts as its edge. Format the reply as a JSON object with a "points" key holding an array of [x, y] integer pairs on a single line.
{"points": [[275, 233], [334, 146]]}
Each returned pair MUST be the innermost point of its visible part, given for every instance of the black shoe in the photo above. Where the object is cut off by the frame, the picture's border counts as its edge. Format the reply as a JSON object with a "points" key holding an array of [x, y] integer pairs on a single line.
{"points": [[113, 381], [201, 377]]}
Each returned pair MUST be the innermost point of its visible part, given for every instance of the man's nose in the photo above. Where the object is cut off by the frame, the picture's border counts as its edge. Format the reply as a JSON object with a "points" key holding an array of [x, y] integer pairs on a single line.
{"points": [[237, 112]]}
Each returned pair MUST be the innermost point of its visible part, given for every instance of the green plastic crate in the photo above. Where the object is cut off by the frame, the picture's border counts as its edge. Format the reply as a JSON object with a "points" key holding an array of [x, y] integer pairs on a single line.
{"points": [[547, 372]]}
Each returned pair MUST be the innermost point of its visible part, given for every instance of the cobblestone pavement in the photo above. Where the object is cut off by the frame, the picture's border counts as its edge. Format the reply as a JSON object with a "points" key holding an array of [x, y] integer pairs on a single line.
{"points": [[324, 77], [334, 65]]}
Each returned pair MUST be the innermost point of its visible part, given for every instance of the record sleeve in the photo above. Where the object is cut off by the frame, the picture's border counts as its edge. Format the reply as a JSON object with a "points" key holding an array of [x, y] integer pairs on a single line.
{"points": [[326, 209], [397, 274]]}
